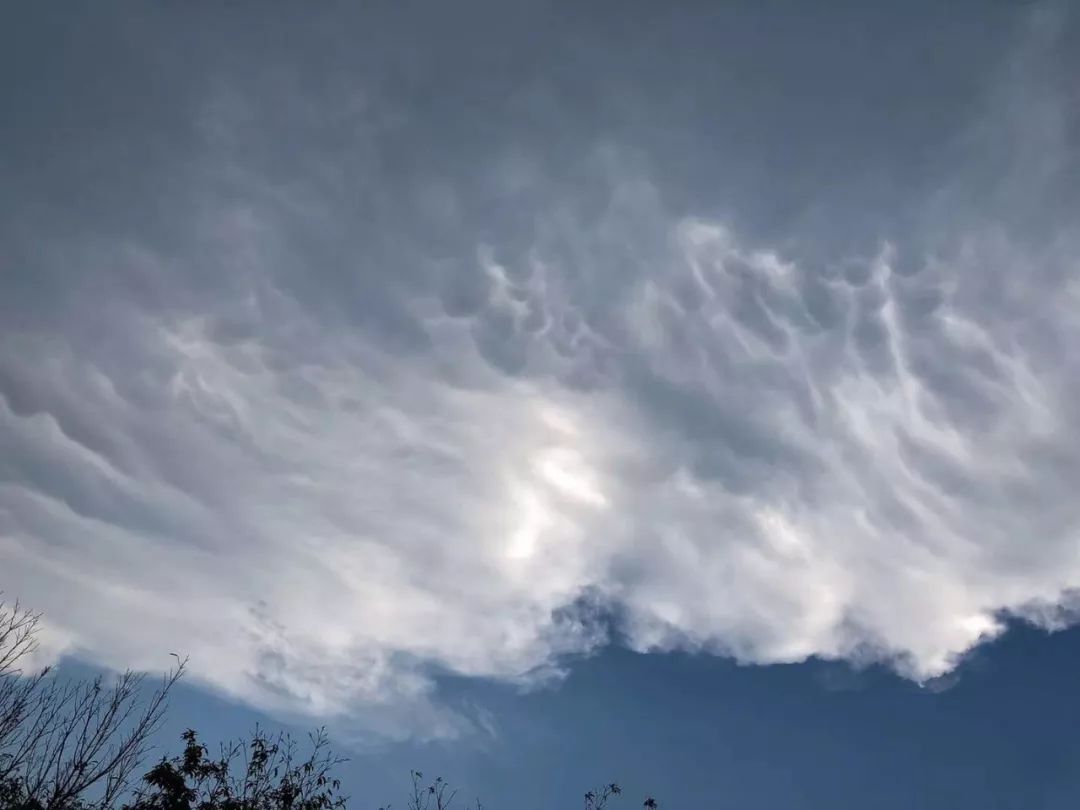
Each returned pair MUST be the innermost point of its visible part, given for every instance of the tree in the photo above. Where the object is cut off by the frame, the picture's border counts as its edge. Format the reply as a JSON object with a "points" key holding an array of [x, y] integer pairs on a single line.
{"points": [[69, 744], [598, 799], [263, 774], [76, 745]]}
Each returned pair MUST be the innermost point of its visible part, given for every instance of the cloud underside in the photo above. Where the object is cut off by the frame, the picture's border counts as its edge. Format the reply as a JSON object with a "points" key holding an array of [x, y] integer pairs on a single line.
{"points": [[329, 459]]}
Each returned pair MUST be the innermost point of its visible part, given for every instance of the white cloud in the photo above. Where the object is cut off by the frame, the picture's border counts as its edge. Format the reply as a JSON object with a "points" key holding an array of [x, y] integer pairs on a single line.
{"points": [[773, 464], [329, 456]]}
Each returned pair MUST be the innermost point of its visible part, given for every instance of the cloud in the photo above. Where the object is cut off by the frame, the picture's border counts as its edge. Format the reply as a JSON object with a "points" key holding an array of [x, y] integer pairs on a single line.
{"points": [[334, 430]]}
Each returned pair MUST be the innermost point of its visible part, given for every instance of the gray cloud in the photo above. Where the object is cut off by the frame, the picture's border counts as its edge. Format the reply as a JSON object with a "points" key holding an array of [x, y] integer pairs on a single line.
{"points": [[343, 371]]}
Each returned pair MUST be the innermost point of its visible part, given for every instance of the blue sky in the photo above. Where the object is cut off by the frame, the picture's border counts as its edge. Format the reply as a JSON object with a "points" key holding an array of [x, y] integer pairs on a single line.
{"points": [[474, 379], [700, 730]]}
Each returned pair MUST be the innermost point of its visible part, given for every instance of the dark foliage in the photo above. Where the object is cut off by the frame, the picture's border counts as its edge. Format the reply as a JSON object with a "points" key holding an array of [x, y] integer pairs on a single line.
{"points": [[264, 774]]}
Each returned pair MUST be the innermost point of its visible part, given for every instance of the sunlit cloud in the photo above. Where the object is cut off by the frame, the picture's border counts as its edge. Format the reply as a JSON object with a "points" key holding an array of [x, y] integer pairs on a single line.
{"points": [[333, 432]]}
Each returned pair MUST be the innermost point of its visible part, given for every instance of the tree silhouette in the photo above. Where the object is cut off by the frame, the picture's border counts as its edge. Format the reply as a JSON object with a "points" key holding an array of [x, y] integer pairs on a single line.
{"points": [[76, 745], [263, 774], [598, 799], [66, 744]]}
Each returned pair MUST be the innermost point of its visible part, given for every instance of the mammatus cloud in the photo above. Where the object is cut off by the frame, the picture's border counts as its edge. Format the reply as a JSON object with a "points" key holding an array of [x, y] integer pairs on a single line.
{"points": [[330, 460]]}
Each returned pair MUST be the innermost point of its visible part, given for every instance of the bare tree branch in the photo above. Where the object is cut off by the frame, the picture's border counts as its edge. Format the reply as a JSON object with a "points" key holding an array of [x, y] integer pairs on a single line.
{"points": [[64, 743]]}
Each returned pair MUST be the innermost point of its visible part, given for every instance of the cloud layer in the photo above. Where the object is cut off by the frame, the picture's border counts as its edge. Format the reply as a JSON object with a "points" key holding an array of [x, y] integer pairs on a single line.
{"points": [[333, 427]]}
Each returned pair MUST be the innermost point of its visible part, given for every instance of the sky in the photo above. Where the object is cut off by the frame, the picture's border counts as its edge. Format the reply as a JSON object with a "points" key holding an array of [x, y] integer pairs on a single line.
{"points": [[475, 378]]}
